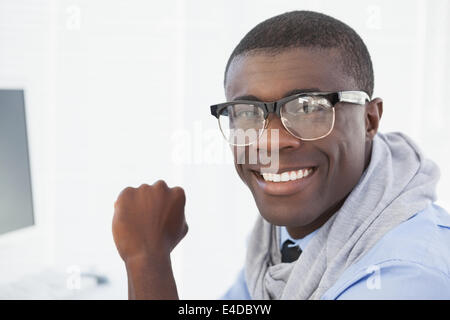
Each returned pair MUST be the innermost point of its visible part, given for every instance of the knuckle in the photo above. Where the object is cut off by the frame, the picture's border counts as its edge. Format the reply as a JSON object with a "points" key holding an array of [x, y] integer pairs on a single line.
{"points": [[178, 191], [128, 189], [161, 184], [126, 192]]}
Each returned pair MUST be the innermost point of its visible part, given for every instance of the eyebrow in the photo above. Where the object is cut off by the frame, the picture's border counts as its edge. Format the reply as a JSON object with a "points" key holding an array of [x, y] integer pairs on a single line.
{"points": [[287, 94]]}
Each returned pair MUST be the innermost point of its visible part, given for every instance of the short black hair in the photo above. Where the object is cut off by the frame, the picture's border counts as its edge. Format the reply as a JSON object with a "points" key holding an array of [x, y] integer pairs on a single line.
{"points": [[308, 29]]}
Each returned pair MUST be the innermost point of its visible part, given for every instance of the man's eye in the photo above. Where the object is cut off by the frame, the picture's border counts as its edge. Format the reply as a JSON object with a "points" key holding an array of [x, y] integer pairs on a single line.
{"points": [[247, 114], [310, 108], [306, 108]]}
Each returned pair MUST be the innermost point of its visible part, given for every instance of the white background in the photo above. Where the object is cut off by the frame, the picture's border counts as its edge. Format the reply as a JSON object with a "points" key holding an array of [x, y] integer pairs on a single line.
{"points": [[118, 94]]}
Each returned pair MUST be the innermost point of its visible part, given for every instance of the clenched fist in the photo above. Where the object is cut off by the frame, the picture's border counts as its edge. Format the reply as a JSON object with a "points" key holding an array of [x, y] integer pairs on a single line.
{"points": [[149, 220]]}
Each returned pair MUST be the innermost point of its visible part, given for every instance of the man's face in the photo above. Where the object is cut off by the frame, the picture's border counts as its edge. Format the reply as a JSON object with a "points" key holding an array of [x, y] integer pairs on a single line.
{"points": [[338, 159]]}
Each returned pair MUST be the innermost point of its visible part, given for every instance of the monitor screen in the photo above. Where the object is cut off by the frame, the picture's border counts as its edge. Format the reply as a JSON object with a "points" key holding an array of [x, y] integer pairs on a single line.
{"points": [[16, 205]]}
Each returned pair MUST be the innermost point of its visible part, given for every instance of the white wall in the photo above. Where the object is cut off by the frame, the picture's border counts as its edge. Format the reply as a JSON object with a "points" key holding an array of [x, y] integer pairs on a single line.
{"points": [[27, 60], [116, 90]]}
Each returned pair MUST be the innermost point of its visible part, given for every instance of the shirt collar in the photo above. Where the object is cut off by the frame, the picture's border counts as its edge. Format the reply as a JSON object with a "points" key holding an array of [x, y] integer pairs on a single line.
{"points": [[302, 242]]}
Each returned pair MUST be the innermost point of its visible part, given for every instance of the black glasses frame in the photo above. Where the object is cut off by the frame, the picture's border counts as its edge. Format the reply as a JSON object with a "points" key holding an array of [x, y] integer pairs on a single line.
{"points": [[355, 97]]}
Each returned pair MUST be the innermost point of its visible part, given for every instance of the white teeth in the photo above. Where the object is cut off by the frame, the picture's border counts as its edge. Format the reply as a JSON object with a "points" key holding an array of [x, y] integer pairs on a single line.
{"points": [[286, 176]]}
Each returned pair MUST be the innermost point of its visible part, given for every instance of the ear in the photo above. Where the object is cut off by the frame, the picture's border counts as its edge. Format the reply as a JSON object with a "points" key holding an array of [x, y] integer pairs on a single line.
{"points": [[373, 113]]}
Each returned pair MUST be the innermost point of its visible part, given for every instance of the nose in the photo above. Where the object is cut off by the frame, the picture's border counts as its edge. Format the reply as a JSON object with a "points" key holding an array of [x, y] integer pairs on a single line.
{"points": [[268, 141]]}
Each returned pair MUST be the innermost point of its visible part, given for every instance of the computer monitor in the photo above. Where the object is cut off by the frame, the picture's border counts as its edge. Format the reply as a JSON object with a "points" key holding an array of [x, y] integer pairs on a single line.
{"points": [[16, 201], [25, 233]]}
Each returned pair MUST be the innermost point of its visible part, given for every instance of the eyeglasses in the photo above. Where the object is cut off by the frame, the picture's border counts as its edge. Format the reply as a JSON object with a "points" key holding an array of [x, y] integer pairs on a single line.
{"points": [[307, 116]]}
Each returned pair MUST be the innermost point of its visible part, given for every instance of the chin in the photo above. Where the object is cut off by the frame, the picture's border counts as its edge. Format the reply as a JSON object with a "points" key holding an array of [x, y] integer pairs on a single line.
{"points": [[286, 216]]}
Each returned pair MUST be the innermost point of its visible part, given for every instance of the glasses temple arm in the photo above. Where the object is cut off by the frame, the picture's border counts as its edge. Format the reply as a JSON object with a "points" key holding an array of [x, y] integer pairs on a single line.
{"points": [[358, 97]]}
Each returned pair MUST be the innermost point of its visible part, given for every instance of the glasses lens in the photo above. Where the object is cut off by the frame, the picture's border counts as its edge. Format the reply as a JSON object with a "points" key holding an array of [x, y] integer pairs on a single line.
{"points": [[241, 124], [308, 117]]}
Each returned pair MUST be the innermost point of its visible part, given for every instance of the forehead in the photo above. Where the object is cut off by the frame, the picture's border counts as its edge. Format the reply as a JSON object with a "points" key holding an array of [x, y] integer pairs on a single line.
{"points": [[270, 76]]}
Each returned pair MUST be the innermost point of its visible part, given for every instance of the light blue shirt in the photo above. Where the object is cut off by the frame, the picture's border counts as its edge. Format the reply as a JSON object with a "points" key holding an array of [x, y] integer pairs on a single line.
{"points": [[412, 261], [284, 235]]}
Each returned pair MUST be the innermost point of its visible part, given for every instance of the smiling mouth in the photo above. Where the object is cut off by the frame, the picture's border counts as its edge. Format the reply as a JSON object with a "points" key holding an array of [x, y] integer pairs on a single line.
{"points": [[288, 175], [287, 182]]}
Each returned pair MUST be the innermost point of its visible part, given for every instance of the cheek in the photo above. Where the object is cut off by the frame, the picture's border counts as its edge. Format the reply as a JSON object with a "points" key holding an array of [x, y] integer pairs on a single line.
{"points": [[239, 159], [349, 132], [346, 152]]}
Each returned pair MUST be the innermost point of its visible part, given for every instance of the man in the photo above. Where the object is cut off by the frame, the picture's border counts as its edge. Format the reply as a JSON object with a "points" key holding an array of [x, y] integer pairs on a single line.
{"points": [[345, 213]]}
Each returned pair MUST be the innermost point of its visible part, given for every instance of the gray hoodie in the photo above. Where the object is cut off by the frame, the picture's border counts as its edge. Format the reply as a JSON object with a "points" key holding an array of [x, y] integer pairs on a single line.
{"points": [[398, 183]]}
